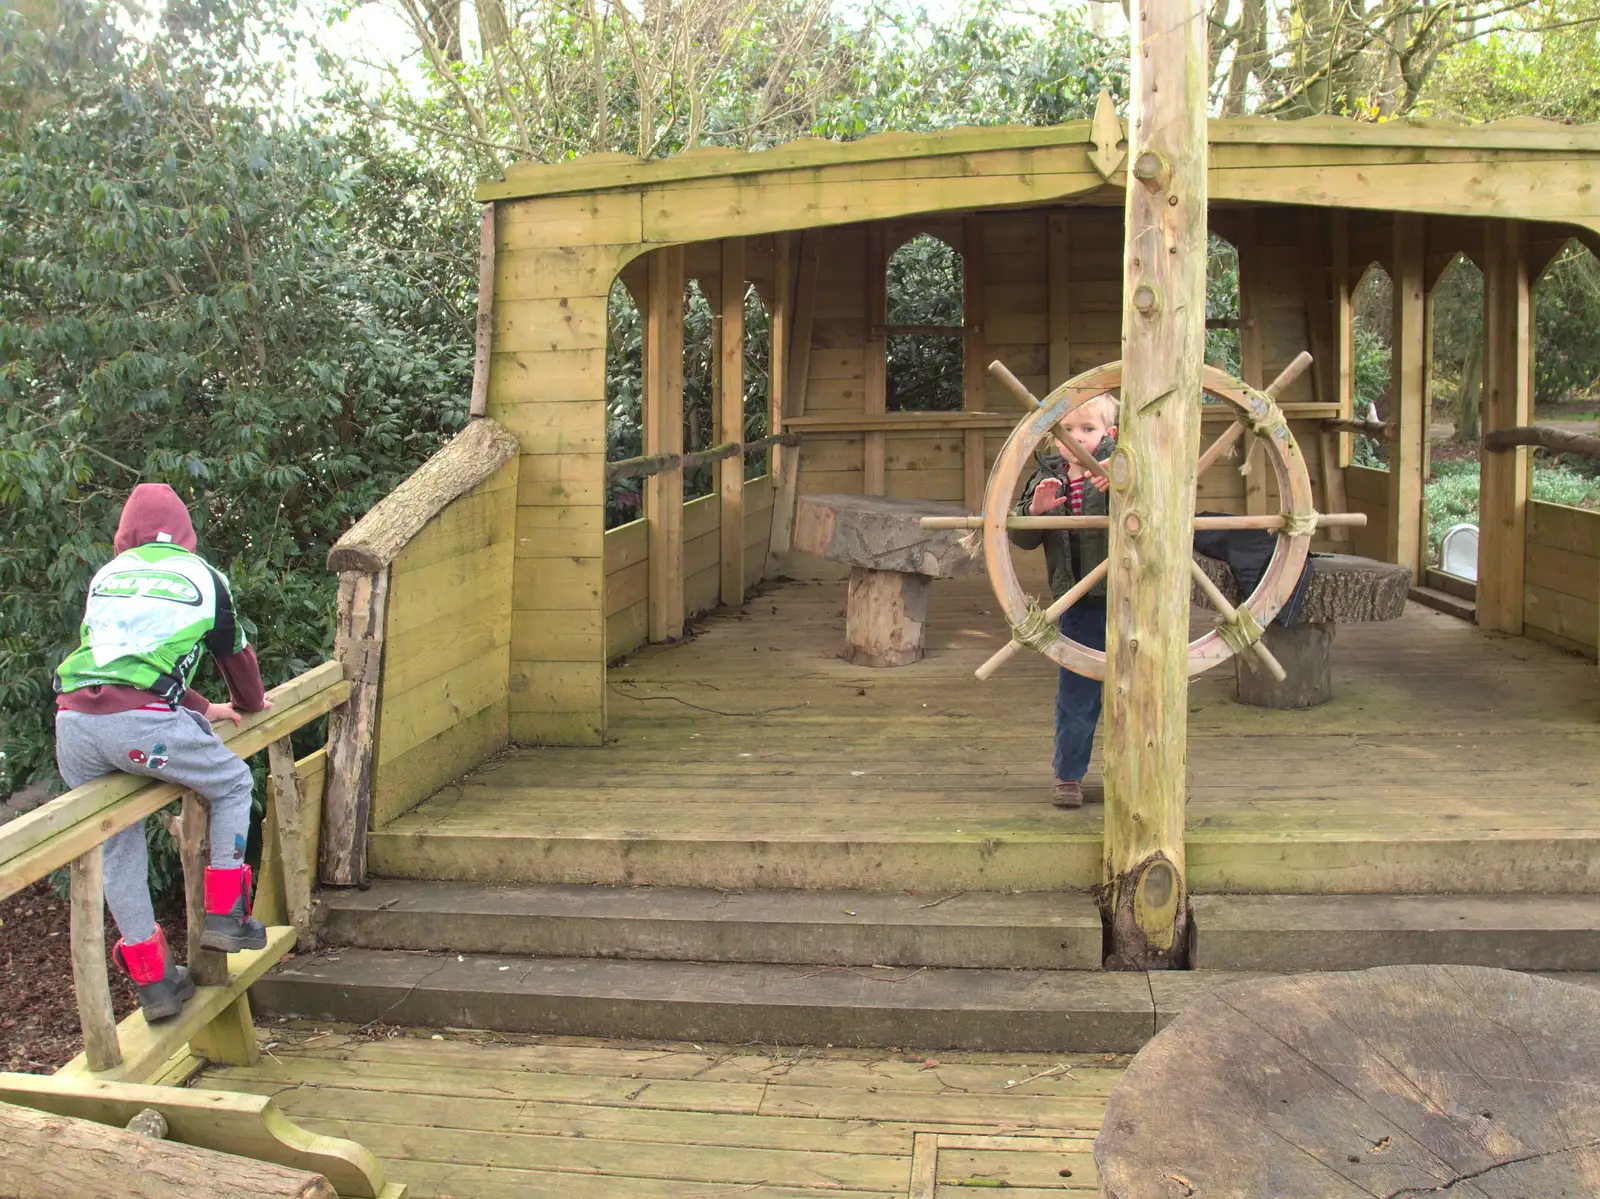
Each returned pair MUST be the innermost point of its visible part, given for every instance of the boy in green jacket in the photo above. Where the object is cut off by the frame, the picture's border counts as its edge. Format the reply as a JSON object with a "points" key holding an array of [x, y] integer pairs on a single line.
{"points": [[1060, 483], [124, 703]]}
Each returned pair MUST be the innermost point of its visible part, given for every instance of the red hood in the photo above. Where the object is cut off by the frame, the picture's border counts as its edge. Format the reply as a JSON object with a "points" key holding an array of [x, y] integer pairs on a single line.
{"points": [[154, 513]]}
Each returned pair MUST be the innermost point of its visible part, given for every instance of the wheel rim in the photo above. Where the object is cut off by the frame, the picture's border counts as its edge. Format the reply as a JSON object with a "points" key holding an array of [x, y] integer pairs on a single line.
{"points": [[1253, 408]]}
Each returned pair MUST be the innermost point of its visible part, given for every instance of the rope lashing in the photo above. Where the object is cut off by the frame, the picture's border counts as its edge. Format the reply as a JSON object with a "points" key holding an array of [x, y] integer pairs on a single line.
{"points": [[1300, 524], [1266, 420], [1035, 630], [1241, 632]]}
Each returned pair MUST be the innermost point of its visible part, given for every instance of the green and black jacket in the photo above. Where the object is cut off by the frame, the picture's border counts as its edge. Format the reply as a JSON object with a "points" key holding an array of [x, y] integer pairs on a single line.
{"points": [[1068, 554]]}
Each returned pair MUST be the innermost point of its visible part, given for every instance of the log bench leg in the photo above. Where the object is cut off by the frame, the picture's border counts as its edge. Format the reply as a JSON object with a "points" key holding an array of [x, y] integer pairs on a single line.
{"points": [[1305, 651], [884, 617]]}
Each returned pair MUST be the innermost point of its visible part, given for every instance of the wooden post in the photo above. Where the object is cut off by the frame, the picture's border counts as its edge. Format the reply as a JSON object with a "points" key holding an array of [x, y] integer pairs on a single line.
{"points": [[1507, 403], [874, 442], [663, 434], [1251, 366], [1404, 546], [1344, 326], [1320, 335], [797, 370], [287, 804], [1058, 254], [353, 727], [730, 421], [207, 967], [483, 334], [1153, 488], [779, 317], [974, 360], [89, 981]]}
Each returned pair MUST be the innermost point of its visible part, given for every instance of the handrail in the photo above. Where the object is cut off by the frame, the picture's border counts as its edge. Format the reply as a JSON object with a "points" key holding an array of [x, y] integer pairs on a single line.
{"points": [[1547, 437], [469, 458], [71, 828], [654, 464]]}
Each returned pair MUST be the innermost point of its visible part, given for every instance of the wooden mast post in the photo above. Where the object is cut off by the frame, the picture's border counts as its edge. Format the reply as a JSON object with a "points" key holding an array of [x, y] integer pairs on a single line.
{"points": [[1153, 488]]}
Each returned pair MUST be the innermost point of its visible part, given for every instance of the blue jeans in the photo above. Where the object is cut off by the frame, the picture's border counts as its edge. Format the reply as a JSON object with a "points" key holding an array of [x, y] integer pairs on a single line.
{"points": [[1078, 698]]}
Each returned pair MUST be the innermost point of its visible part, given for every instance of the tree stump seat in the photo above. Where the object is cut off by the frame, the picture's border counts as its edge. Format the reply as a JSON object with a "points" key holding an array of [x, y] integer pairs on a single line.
{"points": [[1402, 1081], [1344, 589], [892, 561]]}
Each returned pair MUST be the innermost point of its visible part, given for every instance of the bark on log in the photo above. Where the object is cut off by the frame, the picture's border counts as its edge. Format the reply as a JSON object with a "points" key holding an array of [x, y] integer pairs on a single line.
{"points": [[353, 729], [44, 1156], [1344, 589], [879, 533], [1305, 653], [375, 540], [1145, 898], [1558, 441], [885, 616]]}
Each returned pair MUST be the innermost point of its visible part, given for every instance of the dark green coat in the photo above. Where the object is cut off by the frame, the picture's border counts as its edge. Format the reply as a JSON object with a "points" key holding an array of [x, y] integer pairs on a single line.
{"points": [[1068, 554]]}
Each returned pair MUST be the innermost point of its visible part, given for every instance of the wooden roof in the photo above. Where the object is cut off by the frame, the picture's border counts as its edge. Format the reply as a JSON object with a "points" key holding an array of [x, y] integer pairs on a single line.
{"points": [[1525, 169]]}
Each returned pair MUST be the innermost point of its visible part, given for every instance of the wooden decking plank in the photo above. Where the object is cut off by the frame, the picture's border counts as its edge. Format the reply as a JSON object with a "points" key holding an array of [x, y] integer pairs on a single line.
{"points": [[1438, 735], [619, 1159], [1017, 1169], [480, 1182], [1061, 1073]]}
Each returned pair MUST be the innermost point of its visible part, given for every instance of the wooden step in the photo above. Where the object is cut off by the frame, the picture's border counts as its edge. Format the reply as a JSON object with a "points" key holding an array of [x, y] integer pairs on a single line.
{"points": [[1443, 601], [1289, 933], [735, 1003], [1033, 930]]}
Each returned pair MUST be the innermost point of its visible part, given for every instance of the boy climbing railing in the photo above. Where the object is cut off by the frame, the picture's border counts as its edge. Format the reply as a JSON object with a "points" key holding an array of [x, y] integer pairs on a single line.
{"points": [[70, 830]]}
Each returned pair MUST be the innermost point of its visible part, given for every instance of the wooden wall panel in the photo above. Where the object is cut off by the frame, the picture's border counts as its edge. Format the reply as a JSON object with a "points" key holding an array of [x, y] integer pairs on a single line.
{"points": [[446, 676], [627, 619], [1368, 491], [1561, 586]]}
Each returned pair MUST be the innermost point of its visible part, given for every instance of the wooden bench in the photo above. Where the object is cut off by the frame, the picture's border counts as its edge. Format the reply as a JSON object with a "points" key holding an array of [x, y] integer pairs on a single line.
{"points": [[892, 559], [1344, 589], [1398, 1081]]}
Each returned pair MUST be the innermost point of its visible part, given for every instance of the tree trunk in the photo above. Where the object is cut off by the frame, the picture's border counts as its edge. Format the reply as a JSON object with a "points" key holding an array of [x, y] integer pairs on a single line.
{"points": [[1153, 486], [1468, 394]]}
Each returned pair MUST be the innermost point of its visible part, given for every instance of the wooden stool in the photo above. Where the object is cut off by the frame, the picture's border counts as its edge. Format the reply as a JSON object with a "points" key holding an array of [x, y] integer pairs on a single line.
{"points": [[892, 559], [1344, 589], [1400, 1081]]}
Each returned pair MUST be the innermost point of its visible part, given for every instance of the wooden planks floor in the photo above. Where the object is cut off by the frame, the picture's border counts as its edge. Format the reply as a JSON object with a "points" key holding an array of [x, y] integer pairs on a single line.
{"points": [[491, 1115], [1450, 760]]}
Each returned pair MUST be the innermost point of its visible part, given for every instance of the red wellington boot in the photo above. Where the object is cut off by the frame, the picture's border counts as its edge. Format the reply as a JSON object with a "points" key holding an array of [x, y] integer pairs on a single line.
{"points": [[228, 924], [163, 984]]}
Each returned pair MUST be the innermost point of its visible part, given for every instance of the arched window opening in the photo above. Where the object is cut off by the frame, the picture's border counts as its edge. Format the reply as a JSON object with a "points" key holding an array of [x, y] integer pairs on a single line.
{"points": [[1373, 318], [699, 392], [923, 338], [1566, 372], [1222, 305], [624, 401], [1455, 373], [757, 384]]}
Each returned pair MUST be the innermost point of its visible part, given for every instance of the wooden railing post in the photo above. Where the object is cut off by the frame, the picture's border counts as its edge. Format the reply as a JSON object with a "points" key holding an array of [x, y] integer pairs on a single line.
{"points": [[192, 832], [288, 802], [89, 980], [353, 728], [730, 421]]}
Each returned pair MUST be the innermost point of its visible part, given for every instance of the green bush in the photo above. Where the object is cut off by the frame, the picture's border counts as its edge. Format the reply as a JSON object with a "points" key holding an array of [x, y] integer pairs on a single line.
{"points": [[273, 318]]}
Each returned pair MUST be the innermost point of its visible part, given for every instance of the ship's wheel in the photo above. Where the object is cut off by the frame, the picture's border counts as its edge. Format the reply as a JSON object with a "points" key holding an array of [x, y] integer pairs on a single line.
{"points": [[1238, 629]]}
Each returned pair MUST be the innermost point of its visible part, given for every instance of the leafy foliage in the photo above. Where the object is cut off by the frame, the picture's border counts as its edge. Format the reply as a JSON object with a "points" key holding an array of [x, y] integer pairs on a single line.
{"points": [[924, 287], [270, 316]]}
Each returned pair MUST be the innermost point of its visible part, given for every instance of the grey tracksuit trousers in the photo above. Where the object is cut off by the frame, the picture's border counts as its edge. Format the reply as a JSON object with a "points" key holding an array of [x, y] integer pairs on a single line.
{"points": [[177, 747]]}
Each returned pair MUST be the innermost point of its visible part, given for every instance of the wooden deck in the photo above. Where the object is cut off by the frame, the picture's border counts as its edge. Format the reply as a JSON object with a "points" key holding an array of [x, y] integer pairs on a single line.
{"points": [[1450, 761], [490, 1115]]}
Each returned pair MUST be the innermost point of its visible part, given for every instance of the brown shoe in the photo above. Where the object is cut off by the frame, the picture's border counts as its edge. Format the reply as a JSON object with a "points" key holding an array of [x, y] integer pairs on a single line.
{"points": [[1067, 794]]}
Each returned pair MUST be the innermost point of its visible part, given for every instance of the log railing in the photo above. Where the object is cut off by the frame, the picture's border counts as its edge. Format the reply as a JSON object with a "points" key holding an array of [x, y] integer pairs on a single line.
{"points": [[1547, 437], [654, 464], [69, 831]]}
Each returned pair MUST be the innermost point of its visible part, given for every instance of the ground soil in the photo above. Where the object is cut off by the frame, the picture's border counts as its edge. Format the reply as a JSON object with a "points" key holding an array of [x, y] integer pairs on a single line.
{"points": [[38, 1008]]}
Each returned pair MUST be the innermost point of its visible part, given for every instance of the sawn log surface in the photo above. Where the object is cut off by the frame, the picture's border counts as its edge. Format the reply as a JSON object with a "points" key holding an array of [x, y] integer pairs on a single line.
{"points": [[1383, 1084]]}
